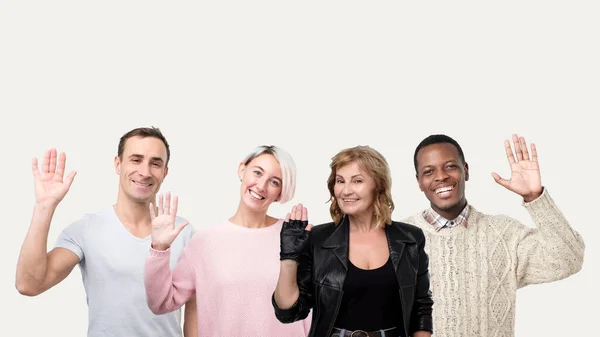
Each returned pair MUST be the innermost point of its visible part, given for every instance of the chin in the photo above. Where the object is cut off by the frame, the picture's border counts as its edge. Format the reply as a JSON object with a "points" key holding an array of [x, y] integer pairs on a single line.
{"points": [[142, 198], [353, 212], [447, 206], [255, 206]]}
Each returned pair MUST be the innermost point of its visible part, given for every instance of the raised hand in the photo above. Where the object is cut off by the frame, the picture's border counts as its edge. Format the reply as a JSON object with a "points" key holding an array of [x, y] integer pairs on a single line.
{"points": [[164, 230], [525, 177], [49, 184], [295, 234]]}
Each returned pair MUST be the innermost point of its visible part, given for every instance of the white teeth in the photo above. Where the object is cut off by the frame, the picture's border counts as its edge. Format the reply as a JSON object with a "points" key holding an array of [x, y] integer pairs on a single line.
{"points": [[140, 184], [255, 195], [350, 200], [444, 189]]}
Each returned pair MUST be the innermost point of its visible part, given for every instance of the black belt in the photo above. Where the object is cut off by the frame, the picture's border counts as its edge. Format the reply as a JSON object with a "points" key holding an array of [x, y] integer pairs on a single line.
{"points": [[337, 332]]}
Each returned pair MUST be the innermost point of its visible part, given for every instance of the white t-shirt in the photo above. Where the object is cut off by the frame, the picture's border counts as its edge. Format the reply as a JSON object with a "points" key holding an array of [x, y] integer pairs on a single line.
{"points": [[112, 261]]}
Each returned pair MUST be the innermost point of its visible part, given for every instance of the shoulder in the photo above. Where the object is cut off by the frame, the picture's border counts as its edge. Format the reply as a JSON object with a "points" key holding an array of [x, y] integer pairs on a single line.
{"points": [[494, 220], [413, 219], [477, 216], [90, 220], [189, 229], [322, 231], [407, 231], [208, 234]]}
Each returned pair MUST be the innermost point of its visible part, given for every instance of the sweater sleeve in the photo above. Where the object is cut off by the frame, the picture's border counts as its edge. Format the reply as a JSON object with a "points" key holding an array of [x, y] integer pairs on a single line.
{"points": [[168, 290], [551, 251]]}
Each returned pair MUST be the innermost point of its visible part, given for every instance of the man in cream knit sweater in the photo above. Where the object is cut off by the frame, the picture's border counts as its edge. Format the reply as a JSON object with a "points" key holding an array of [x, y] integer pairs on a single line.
{"points": [[478, 261]]}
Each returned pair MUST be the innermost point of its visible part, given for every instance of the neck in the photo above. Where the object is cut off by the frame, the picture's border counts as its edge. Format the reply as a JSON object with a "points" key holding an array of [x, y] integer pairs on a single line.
{"points": [[251, 219], [135, 214], [361, 222], [452, 212]]}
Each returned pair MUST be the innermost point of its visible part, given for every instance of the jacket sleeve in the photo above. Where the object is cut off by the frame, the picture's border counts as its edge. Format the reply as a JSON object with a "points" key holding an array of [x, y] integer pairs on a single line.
{"points": [[421, 316], [305, 302], [551, 251]]}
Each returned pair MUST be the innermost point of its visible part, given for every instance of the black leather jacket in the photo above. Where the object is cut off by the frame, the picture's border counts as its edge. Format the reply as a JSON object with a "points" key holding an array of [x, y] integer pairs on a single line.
{"points": [[322, 272]]}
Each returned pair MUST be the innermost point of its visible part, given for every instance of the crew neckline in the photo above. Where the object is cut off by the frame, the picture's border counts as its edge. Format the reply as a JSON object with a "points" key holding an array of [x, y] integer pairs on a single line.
{"points": [[274, 227]]}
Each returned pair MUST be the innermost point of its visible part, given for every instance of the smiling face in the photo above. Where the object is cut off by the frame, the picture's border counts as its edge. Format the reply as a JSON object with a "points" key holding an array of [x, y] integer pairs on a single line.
{"points": [[441, 175], [261, 182], [354, 190], [141, 168]]}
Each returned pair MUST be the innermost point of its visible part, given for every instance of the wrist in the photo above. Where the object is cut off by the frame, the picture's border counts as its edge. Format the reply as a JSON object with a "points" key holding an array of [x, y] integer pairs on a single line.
{"points": [[289, 264], [159, 246], [46, 204], [44, 210], [533, 195]]}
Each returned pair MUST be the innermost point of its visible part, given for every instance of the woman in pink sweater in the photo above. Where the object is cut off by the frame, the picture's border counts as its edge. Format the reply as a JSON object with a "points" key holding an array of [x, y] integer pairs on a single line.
{"points": [[232, 267]]}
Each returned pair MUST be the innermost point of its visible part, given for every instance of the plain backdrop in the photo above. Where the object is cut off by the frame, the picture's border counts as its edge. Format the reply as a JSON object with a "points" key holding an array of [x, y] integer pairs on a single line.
{"points": [[220, 77]]}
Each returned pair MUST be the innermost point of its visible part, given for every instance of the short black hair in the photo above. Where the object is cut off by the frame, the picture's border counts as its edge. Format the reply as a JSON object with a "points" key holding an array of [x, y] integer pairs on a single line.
{"points": [[437, 139]]}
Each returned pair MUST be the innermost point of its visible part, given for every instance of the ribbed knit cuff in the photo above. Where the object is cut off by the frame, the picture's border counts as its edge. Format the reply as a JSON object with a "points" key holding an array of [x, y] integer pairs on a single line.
{"points": [[541, 203], [160, 253]]}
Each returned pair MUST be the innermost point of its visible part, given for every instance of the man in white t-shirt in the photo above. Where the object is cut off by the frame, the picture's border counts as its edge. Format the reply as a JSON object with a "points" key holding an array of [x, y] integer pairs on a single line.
{"points": [[110, 246]]}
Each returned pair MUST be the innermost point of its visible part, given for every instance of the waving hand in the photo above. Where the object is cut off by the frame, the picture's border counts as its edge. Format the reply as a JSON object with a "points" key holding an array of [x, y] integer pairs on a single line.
{"points": [[525, 177], [50, 184]]}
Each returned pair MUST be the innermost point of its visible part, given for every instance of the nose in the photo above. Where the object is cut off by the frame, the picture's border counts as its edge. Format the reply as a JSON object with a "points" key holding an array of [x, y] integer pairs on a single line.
{"points": [[347, 189], [440, 175], [144, 170], [261, 184]]}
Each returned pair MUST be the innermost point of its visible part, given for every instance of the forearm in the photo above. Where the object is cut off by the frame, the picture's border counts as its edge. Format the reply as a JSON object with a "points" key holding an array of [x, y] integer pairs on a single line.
{"points": [[33, 258], [190, 328], [422, 334], [165, 292], [554, 245], [421, 317], [287, 291], [548, 217], [190, 323]]}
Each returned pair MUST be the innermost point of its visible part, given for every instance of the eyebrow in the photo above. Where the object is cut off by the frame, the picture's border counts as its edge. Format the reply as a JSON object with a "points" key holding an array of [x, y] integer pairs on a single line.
{"points": [[446, 162], [141, 157], [260, 168], [354, 176]]}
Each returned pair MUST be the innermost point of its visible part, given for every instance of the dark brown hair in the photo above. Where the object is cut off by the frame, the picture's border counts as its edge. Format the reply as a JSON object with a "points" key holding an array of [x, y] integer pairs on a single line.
{"points": [[143, 132]]}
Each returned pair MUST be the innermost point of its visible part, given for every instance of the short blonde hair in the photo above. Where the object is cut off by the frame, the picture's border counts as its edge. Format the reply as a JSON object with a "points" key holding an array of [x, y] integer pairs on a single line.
{"points": [[287, 165], [373, 163]]}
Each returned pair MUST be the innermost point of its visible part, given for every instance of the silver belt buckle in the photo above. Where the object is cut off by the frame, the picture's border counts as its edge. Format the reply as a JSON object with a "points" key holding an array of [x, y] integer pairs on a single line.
{"points": [[359, 333]]}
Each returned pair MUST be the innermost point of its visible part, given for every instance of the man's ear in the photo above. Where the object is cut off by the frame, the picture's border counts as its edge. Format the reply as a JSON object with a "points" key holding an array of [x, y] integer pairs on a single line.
{"points": [[466, 172], [166, 172], [117, 165], [418, 182]]}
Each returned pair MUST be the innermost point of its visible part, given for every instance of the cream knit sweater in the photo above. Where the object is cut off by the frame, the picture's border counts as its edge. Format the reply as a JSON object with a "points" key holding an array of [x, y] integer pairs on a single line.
{"points": [[476, 271]]}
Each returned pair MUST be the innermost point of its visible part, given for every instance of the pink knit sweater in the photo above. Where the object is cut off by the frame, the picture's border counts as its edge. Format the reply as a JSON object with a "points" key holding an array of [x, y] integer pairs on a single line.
{"points": [[234, 271]]}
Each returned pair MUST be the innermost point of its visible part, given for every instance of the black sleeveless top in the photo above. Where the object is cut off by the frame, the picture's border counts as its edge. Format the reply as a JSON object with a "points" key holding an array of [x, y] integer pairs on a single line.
{"points": [[371, 299]]}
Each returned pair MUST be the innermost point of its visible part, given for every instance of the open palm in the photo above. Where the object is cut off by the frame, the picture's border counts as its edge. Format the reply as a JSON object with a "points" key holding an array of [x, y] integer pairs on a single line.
{"points": [[164, 230], [525, 177], [50, 184]]}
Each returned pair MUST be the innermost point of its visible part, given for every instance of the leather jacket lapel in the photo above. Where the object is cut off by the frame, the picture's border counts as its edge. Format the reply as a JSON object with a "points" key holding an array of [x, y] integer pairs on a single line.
{"points": [[398, 241], [338, 243]]}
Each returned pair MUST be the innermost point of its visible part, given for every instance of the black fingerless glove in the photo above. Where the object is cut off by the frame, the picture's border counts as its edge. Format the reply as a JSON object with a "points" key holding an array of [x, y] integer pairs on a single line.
{"points": [[294, 239]]}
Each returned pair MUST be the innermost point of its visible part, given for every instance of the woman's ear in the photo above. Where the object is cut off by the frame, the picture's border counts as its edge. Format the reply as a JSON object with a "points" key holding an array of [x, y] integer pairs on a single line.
{"points": [[241, 170]]}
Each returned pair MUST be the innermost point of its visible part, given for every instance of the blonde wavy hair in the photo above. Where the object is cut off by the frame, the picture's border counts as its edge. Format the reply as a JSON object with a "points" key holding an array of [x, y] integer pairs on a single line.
{"points": [[373, 163]]}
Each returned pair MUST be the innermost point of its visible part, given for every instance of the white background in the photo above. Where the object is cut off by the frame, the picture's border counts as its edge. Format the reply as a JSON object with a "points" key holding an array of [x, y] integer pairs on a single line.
{"points": [[221, 77]]}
